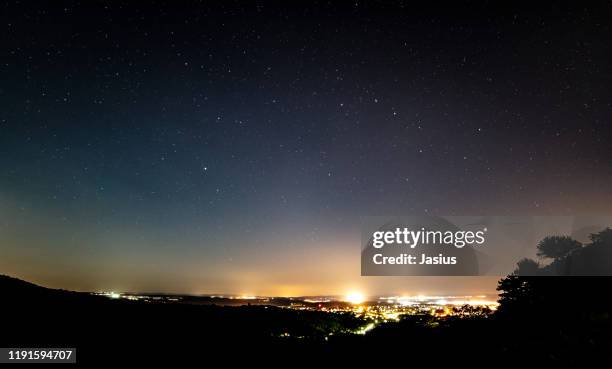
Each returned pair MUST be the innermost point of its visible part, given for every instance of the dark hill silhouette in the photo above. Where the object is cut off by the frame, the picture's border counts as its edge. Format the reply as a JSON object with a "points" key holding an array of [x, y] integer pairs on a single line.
{"points": [[541, 321], [23, 291], [568, 316], [40, 317]]}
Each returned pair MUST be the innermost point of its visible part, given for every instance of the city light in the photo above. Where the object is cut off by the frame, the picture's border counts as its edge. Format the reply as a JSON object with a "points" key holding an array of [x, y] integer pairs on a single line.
{"points": [[367, 328], [376, 310], [355, 298]]}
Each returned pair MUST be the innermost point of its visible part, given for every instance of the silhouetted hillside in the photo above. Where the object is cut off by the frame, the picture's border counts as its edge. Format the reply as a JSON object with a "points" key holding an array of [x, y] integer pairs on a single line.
{"points": [[132, 330], [19, 291], [548, 321]]}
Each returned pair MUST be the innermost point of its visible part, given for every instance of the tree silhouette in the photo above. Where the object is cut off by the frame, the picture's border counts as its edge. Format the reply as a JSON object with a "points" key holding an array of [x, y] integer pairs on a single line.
{"points": [[555, 247], [527, 267], [603, 237], [472, 312], [516, 293]]}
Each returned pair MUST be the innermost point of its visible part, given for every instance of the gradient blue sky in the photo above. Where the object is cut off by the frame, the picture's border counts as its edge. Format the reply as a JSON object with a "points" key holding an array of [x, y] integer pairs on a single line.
{"points": [[232, 149]]}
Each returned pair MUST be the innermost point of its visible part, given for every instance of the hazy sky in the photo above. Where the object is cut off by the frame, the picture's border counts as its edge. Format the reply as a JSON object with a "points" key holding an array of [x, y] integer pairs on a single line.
{"points": [[233, 148]]}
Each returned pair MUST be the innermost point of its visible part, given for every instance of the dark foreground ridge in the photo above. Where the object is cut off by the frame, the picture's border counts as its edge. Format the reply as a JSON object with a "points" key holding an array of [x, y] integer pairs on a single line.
{"points": [[540, 320]]}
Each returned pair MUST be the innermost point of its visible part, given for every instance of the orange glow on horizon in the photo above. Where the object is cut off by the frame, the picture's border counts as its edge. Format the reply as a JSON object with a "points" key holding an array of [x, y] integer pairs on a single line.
{"points": [[355, 298]]}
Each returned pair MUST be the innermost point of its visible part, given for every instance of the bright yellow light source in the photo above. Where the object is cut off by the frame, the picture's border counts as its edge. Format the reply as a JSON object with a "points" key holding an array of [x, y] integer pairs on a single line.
{"points": [[355, 298]]}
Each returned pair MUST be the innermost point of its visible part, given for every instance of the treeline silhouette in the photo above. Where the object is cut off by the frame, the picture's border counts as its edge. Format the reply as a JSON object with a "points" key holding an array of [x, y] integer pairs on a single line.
{"points": [[571, 258]]}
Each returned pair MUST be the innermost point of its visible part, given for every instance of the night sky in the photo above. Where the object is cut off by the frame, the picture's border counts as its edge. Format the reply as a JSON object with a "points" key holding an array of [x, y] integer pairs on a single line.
{"points": [[232, 147]]}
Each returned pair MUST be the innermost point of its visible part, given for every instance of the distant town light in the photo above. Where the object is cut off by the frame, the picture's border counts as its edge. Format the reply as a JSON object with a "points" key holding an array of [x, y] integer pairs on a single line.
{"points": [[355, 298]]}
